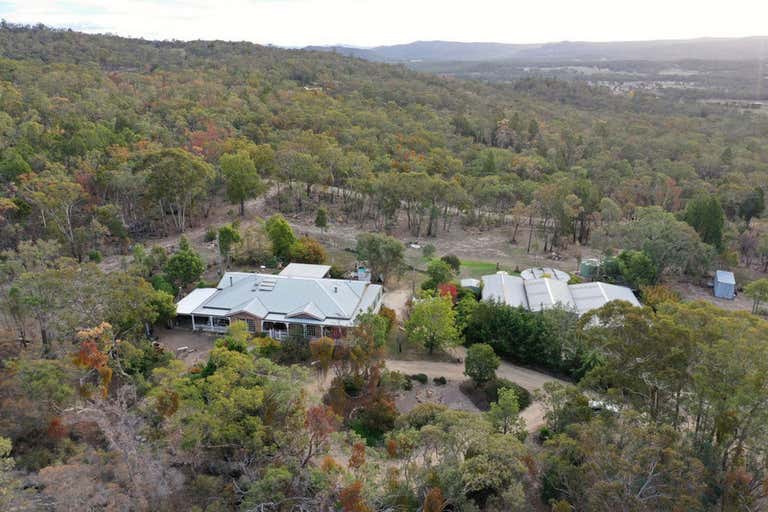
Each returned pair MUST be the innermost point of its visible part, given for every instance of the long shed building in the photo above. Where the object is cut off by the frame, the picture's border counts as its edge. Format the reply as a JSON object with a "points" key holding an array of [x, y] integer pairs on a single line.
{"points": [[547, 293]]}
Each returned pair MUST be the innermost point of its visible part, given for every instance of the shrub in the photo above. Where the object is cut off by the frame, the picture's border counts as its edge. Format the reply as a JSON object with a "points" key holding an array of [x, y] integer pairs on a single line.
{"points": [[293, 349], [336, 272], [307, 250], [421, 415], [94, 256], [484, 395], [393, 380], [658, 294], [637, 268], [440, 381], [453, 261], [374, 420], [428, 251], [524, 398], [420, 377], [352, 386], [210, 234], [160, 283], [390, 315], [439, 272], [481, 363]]}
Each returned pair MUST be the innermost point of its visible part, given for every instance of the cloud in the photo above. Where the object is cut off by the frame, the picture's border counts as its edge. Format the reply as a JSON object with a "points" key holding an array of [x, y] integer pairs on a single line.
{"points": [[373, 22]]}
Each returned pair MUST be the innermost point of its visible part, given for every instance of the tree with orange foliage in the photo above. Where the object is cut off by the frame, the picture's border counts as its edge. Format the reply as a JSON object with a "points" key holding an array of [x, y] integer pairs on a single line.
{"points": [[351, 498], [207, 143], [93, 354], [357, 457], [434, 501]]}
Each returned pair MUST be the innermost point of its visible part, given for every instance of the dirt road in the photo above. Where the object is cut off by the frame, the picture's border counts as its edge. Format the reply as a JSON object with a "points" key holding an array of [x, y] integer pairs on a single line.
{"points": [[529, 379]]}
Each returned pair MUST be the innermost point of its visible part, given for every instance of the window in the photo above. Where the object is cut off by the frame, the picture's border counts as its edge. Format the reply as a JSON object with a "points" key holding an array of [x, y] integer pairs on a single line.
{"points": [[296, 329], [312, 331], [251, 324]]}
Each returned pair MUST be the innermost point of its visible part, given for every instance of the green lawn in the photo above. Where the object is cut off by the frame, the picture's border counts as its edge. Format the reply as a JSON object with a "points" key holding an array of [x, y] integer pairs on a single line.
{"points": [[477, 269], [469, 268]]}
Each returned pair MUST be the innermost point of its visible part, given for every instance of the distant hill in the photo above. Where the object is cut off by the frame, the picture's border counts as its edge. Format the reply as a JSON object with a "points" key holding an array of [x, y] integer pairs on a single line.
{"points": [[746, 48], [349, 51]]}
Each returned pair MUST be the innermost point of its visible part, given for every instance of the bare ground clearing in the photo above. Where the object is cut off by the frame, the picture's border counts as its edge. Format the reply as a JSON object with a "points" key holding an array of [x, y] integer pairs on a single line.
{"points": [[690, 291], [194, 346], [492, 246]]}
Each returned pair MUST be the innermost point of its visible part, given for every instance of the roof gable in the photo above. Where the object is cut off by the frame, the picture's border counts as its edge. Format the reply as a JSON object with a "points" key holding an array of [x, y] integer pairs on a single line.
{"points": [[307, 310]]}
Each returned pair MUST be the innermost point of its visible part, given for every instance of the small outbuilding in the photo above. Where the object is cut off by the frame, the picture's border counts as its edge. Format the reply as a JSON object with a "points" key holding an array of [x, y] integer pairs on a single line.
{"points": [[725, 285], [471, 284]]}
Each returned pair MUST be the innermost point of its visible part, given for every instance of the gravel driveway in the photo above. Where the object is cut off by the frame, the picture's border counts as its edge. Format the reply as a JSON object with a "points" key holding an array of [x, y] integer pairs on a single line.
{"points": [[529, 379]]}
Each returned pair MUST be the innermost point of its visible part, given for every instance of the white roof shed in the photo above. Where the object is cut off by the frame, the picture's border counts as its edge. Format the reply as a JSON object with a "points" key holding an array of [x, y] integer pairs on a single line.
{"points": [[305, 270], [194, 300]]}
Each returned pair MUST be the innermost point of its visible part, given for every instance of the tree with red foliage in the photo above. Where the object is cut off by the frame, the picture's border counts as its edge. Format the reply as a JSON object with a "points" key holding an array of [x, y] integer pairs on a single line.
{"points": [[448, 290], [56, 429]]}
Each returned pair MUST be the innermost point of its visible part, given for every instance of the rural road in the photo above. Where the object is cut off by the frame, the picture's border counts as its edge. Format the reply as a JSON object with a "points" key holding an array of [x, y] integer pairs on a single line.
{"points": [[529, 379]]}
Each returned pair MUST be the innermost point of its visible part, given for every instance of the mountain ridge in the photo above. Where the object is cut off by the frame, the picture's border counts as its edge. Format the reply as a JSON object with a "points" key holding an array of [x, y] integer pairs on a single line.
{"points": [[704, 48]]}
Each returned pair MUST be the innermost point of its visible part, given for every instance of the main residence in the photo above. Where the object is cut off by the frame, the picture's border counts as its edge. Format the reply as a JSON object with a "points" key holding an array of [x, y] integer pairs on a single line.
{"points": [[301, 300]]}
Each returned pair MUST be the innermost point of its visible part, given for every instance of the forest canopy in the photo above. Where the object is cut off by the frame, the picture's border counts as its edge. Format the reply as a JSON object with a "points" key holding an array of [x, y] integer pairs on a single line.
{"points": [[109, 144]]}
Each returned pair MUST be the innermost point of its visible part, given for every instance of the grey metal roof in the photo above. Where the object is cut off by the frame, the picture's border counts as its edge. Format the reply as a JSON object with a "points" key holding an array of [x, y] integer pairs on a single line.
{"points": [[279, 297], [724, 276], [469, 283], [546, 293], [305, 270], [229, 278], [542, 272], [502, 287], [589, 296]]}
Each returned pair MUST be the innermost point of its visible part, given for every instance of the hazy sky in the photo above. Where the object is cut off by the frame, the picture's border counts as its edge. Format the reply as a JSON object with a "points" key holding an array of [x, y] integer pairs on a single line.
{"points": [[373, 22]]}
